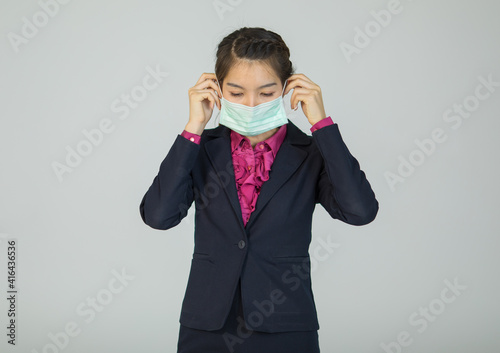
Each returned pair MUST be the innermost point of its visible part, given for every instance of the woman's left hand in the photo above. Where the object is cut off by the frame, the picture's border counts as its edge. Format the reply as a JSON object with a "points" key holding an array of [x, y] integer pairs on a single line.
{"points": [[309, 94]]}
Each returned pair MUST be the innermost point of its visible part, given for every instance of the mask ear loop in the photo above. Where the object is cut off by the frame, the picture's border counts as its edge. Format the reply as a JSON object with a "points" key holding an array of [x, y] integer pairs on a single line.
{"points": [[286, 82], [218, 113], [219, 86]]}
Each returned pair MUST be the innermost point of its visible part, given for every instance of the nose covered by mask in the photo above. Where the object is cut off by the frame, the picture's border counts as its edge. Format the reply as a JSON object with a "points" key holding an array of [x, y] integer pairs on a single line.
{"points": [[251, 121]]}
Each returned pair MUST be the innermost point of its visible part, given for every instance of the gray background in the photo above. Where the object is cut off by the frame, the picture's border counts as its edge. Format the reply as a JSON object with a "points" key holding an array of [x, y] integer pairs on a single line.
{"points": [[439, 225]]}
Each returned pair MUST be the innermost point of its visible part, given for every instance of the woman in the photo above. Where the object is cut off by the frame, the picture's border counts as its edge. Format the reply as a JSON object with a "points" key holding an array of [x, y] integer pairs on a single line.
{"points": [[255, 180]]}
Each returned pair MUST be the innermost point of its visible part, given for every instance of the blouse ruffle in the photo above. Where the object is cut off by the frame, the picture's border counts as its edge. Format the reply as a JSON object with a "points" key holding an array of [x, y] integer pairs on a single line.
{"points": [[251, 169]]}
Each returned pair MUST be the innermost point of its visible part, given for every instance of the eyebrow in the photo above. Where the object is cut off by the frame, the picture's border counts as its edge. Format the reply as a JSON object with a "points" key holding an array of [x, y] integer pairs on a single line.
{"points": [[264, 86]]}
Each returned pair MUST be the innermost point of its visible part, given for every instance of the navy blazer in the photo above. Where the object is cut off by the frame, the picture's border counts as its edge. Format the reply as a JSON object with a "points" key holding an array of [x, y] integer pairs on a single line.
{"points": [[270, 254]]}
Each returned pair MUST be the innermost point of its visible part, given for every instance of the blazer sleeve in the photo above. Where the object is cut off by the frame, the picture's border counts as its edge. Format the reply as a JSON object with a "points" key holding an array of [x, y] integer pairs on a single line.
{"points": [[342, 187], [171, 194]]}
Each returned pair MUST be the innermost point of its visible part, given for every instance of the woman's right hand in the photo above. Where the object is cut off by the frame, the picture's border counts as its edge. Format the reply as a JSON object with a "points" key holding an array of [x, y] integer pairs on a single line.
{"points": [[202, 98]]}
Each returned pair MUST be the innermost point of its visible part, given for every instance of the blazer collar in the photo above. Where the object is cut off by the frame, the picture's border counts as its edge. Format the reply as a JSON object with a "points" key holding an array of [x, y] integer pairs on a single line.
{"points": [[286, 162], [294, 135]]}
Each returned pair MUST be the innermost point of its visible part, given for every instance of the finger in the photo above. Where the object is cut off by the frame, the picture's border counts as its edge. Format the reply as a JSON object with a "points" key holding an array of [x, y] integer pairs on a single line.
{"points": [[303, 83], [209, 84], [299, 92], [296, 98], [210, 95], [299, 83], [216, 99], [206, 76], [300, 76]]}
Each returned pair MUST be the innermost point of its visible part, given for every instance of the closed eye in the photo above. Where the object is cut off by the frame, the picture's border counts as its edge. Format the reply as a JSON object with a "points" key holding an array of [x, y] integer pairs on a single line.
{"points": [[264, 94]]}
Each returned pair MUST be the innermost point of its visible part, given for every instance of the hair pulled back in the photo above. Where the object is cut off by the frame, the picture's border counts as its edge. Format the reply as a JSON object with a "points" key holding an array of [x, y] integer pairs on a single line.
{"points": [[254, 43]]}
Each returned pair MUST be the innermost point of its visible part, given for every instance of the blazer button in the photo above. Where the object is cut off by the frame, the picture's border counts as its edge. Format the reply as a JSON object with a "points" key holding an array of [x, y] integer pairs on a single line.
{"points": [[241, 244]]}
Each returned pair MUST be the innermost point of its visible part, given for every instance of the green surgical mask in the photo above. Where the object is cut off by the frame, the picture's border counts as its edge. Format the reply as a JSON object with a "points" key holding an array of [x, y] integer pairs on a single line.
{"points": [[251, 121]]}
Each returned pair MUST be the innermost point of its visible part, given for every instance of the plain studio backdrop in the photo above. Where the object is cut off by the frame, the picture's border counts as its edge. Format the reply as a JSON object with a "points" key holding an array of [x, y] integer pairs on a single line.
{"points": [[93, 95]]}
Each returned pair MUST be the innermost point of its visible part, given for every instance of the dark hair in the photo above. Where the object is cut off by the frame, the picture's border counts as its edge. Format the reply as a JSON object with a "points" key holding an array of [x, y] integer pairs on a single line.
{"points": [[254, 43]]}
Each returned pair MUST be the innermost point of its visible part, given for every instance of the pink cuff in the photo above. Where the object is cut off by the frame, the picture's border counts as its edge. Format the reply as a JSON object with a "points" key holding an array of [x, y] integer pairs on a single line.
{"points": [[191, 137], [322, 123]]}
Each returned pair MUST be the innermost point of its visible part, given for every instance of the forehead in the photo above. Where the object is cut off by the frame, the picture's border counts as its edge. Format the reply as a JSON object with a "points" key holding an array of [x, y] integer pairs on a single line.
{"points": [[251, 74]]}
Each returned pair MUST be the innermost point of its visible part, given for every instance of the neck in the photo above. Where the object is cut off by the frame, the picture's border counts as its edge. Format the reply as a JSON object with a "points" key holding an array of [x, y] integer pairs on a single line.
{"points": [[254, 140]]}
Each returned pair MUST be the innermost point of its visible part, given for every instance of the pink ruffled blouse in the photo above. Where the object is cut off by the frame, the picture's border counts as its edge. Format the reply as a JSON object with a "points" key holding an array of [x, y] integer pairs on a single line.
{"points": [[252, 166]]}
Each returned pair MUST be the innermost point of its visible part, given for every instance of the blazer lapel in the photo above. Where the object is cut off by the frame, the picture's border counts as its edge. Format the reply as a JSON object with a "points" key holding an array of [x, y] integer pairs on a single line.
{"points": [[286, 162], [219, 152]]}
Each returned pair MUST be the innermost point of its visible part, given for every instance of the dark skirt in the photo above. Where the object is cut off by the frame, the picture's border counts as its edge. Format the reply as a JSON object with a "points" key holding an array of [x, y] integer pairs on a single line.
{"points": [[200, 341]]}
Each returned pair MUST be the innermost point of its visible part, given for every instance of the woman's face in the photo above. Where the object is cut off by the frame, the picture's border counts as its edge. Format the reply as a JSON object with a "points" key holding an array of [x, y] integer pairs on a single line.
{"points": [[251, 83]]}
